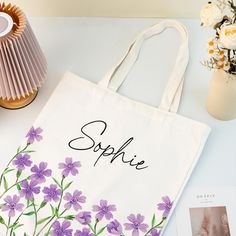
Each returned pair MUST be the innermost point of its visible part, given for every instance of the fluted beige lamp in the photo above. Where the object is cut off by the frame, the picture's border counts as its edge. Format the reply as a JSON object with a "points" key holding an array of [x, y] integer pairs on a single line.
{"points": [[22, 63]]}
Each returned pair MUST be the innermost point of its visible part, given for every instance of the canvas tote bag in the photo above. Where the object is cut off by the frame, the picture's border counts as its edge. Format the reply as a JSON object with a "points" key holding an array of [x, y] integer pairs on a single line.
{"points": [[98, 163]]}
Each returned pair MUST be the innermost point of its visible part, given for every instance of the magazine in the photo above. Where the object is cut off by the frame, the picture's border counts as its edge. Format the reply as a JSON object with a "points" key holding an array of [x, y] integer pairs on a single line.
{"points": [[207, 212]]}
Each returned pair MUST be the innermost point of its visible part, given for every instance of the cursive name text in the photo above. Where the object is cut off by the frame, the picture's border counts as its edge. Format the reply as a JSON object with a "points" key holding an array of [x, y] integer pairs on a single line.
{"points": [[87, 142]]}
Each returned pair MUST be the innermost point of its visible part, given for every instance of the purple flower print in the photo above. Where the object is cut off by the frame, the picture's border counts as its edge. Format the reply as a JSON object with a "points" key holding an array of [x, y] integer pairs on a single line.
{"points": [[28, 189], [61, 229], [136, 224], [84, 232], [21, 161], [114, 227], [40, 172], [74, 200], [69, 167], [84, 217], [104, 210], [12, 204], [52, 193], [34, 134], [155, 232], [165, 206]]}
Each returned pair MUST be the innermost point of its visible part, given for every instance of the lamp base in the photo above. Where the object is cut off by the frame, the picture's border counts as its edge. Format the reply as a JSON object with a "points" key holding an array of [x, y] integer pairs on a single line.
{"points": [[18, 103]]}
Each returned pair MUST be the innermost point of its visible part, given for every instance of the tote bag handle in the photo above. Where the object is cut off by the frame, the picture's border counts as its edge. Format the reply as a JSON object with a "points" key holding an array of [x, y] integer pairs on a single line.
{"points": [[173, 90]]}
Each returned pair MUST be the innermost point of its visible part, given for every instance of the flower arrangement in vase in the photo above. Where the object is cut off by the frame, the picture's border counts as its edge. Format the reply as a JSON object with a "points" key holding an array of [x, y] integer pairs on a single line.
{"points": [[221, 99]]}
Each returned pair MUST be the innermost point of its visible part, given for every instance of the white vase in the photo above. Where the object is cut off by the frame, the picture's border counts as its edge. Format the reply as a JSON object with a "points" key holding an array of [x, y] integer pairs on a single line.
{"points": [[221, 99]]}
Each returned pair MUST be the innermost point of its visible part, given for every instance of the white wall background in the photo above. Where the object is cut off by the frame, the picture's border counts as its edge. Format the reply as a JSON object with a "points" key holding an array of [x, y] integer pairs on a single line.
{"points": [[115, 8]]}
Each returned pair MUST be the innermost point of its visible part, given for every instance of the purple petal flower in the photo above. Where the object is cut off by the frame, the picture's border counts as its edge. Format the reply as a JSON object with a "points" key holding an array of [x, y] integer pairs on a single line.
{"points": [[69, 167], [84, 217], [104, 210], [12, 204], [34, 134], [114, 227], [165, 206], [61, 229], [52, 193], [28, 189], [21, 161], [40, 172], [155, 232], [136, 224], [84, 232], [74, 200]]}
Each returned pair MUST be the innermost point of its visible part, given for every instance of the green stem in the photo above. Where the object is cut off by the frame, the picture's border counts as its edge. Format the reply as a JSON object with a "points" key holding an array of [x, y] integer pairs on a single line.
{"points": [[35, 218], [94, 229], [62, 192], [49, 230], [8, 224], [40, 206], [12, 186], [91, 227], [57, 209], [95, 226], [62, 213], [19, 218], [57, 218], [155, 226], [40, 231], [8, 164]]}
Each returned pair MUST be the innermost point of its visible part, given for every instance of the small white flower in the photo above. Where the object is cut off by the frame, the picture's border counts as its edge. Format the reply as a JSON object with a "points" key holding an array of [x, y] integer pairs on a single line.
{"points": [[212, 52], [228, 36], [211, 14], [212, 43]]}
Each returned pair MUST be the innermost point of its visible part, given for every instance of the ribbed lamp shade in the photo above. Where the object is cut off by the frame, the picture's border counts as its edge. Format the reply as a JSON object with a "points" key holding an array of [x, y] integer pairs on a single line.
{"points": [[22, 63]]}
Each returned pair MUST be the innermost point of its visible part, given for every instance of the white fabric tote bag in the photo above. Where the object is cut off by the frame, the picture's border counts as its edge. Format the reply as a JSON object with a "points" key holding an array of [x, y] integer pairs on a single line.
{"points": [[98, 163]]}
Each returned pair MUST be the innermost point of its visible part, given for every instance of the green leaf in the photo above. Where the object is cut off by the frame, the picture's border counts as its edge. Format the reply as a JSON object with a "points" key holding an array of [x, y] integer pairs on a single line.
{"points": [[56, 182], [25, 234], [101, 230], [91, 227], [153, 220], [52, 209], [18, 186], [2, 221], [13, 225], [69, 217], [43, 220], [29, 213], [43, 204], [56, 212], [8, 170], [68, 185], [5, 183], [18, 226], [95, 225], [18, 150], [18, 174], [27, 151]]}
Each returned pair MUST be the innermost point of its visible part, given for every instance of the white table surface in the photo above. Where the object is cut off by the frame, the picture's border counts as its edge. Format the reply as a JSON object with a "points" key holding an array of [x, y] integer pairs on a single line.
{"points": [[90, 46]]}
